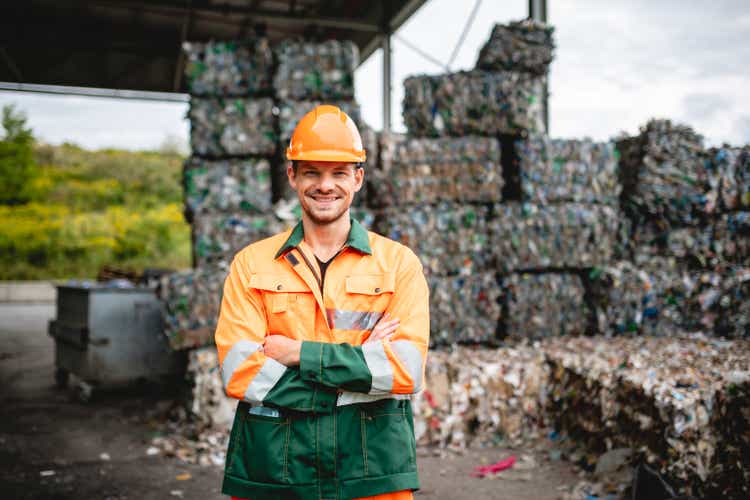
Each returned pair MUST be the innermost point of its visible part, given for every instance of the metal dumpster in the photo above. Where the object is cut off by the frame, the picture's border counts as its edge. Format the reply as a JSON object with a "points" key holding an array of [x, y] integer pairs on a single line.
{"points": [[108, 336]]}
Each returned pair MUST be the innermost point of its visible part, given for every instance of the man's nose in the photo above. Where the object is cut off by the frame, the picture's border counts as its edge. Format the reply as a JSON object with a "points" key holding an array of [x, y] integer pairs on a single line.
{"points": [[326, 182]]}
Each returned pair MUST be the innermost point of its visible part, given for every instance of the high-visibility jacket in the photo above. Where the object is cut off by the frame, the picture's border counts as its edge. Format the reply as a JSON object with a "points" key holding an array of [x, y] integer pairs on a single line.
{"points": [[340, 425]]}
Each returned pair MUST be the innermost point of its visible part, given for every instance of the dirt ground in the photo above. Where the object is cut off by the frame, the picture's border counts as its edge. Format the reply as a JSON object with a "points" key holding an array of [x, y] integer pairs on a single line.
{"points": [[51, 444]]}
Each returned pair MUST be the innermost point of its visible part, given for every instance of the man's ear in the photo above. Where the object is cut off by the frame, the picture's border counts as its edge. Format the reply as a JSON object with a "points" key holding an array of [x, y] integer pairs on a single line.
{"points": [[291, 175], [359, 177]]}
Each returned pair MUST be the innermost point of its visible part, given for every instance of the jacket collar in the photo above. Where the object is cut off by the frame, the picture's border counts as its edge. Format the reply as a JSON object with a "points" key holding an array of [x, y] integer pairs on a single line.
{"points": [[357, 239]]}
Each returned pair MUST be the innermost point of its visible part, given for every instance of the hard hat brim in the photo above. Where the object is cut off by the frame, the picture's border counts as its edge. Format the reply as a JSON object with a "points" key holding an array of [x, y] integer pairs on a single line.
{"points": [[326, 155]]}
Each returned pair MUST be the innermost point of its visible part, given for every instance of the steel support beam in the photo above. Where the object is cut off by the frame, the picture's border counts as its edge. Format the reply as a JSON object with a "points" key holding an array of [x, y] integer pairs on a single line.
{"points": [[386, 82], [538, 12], [139, 95]]}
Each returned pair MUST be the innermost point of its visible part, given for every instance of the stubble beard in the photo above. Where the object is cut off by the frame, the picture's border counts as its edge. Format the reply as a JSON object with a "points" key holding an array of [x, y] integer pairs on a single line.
{"points": [[325, 219]]}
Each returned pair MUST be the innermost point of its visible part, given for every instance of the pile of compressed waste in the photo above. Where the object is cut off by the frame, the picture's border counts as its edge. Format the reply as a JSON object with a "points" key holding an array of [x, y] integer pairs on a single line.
{"points": [[669, 399]]}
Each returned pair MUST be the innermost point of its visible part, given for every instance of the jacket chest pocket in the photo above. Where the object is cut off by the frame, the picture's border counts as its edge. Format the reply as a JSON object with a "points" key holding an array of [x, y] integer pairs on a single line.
{"points": [[370, 292], [290, 304]]}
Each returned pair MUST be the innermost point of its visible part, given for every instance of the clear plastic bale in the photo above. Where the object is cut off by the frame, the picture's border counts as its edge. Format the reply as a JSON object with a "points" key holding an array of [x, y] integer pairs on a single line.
{"points": [[416, 171], [191, 301], [448, 238], [309, 70], [464, 309], [217, 237], [560, 170], [665, 173], [569, 235], [231, 68], [544, 305], [221, 127], [473, 103], [525, 46], [227, 185]]}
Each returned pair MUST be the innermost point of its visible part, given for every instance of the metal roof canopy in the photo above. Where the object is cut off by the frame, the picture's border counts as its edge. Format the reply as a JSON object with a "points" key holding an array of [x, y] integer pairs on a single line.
{"points": [[133, 49], [136, 45]]}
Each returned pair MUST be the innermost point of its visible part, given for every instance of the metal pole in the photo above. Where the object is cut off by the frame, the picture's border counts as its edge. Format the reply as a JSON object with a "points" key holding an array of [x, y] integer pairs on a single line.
{"points": [[538, 12], [386, 82]]}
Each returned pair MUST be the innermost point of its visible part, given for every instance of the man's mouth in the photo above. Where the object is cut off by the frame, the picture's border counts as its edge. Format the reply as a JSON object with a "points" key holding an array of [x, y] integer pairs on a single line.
{"points": [[324, 198]]}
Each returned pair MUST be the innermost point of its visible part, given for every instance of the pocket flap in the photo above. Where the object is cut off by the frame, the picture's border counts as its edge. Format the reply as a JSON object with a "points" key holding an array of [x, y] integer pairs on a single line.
{"points": [[371, 284], [277, 283]]}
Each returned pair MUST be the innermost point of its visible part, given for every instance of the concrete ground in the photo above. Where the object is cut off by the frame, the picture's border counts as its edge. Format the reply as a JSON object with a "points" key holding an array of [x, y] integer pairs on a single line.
{"points": [[51, 445]]}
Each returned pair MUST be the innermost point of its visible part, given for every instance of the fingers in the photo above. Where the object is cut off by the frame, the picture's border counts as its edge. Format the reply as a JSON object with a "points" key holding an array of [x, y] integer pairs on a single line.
{"points": [[384, 329]]}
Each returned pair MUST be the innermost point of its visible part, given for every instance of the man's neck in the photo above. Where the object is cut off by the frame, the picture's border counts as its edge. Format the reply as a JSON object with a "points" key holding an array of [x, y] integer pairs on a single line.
{"points": [[326, 240]]}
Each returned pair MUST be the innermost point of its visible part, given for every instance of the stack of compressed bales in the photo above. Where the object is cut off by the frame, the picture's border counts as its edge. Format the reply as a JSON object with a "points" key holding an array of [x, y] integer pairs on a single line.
{"points": [[452, 163], [233, 138], [569, 222], [503, 95], [684, 206], [658, 396], [308, 74], [227, 179], [435, 196]]}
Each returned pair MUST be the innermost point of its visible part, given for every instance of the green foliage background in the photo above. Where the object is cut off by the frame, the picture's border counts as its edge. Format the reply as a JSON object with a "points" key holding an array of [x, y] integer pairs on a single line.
{"points": [[74, 210]]}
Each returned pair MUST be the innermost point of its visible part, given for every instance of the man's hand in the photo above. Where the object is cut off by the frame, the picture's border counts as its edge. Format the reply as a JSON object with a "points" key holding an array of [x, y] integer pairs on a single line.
{"points": [[283, 349], [384, 329]]}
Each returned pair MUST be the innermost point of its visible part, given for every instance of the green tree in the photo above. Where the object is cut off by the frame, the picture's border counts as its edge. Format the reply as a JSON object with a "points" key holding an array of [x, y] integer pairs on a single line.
{"points": [[17, 166]]}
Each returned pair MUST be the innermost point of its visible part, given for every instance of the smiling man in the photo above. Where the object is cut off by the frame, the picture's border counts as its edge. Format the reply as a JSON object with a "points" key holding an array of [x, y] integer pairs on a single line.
{"points": [[322, 336]]}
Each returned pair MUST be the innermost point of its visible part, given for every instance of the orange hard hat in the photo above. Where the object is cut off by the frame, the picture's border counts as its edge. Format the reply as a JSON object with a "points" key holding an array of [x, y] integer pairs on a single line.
{"points": [[326, 134]]}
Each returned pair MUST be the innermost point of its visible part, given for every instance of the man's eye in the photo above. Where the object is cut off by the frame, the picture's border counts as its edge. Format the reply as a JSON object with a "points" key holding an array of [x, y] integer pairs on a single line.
{"points": [[340, 174]]}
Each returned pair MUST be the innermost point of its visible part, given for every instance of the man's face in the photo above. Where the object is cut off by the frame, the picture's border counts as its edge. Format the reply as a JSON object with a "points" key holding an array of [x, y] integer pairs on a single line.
{"points": [[325, 188]]}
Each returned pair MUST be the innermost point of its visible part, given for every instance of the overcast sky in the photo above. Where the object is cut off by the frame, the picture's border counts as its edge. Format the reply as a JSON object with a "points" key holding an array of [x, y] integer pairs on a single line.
{"points": [[617, 64]]}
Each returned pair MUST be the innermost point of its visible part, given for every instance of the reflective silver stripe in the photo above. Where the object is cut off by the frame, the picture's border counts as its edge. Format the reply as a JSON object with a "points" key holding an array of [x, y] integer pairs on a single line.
{"points": [[354, 320], [264, 380], [411, 358], [350, 398], [380, 367], [237, 355]]}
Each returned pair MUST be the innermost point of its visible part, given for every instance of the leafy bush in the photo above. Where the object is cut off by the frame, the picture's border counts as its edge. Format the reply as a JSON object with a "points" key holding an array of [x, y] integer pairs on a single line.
{"points": [[81, 209], [51, 241]]}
